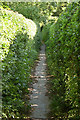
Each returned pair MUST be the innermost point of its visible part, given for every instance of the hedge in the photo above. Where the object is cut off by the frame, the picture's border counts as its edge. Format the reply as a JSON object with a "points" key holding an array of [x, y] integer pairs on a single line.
{"points": [[63, 58], [19, 43], [45, 32]]}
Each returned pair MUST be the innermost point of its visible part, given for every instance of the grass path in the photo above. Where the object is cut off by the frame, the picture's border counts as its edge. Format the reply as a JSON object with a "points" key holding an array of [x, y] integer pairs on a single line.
{"points": [[38, 98]]}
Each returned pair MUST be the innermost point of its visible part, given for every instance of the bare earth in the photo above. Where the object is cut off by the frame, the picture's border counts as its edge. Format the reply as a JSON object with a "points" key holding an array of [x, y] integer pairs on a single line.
{"points": [[38, 98]]}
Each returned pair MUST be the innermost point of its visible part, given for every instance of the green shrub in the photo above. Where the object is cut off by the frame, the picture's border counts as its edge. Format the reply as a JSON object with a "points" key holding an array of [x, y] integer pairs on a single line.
{"points": [[45, 32], [63, 47], [18, 51], [46, 29]]}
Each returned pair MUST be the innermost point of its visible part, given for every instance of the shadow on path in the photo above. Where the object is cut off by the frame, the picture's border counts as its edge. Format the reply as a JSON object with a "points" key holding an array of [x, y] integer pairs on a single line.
{"points": [[38, 99]]}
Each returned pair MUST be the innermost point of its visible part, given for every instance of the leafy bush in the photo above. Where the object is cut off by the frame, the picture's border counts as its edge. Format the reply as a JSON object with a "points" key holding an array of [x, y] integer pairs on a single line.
{"points": [[36, 11], [18, 51], [45, 32], [63, 49]]}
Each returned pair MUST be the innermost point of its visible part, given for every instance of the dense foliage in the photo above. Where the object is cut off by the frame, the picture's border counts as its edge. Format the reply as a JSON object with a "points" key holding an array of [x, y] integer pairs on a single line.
{"points": [[41, 12], [45, 31], [63, 57], [32, 10], [19, 43]]}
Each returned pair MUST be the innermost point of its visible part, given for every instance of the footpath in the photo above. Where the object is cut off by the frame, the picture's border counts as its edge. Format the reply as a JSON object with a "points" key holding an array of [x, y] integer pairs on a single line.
{"points": [[38, 99]]}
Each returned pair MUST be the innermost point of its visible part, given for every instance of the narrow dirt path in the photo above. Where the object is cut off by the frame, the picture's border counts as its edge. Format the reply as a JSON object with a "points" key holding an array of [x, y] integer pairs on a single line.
{"points": [[38, 98]]}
